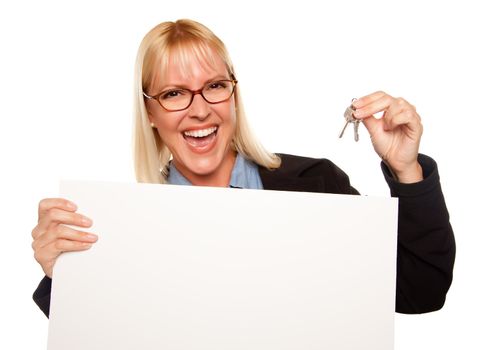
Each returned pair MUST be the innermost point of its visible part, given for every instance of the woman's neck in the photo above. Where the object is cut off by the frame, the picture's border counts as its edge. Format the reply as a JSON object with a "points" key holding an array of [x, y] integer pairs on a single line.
{"points": [[220, 177]]}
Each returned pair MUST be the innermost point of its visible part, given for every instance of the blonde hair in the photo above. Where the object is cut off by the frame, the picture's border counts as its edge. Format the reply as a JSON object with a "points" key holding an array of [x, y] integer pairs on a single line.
{"points": [[183, 38]]}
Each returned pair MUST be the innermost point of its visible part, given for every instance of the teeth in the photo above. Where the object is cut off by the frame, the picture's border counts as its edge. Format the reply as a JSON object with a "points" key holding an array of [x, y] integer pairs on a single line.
{"points": [[201, 133]]}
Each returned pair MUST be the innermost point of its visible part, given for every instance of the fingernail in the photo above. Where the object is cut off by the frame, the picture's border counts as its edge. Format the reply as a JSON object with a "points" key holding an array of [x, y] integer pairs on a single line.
{"points": [[91, 237], [86, 221], [71, 205], [86, 245], [356, 103], [357, 114]]}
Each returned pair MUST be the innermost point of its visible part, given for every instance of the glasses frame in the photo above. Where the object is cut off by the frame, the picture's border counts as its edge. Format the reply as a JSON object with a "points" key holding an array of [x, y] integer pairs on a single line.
{"points": [[193, 93]]}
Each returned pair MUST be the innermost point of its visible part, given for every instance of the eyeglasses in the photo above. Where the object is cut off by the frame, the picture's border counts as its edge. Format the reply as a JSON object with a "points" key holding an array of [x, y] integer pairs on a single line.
{"points": [[179, 99]]}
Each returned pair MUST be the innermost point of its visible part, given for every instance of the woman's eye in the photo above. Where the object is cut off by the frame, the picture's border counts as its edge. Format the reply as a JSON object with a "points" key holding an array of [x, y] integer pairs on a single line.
{"points": [[217, 85], [171, 94]]}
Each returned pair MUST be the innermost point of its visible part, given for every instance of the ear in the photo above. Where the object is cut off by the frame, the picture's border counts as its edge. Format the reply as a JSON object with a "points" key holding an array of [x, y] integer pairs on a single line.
{"points": [[151, 119]]}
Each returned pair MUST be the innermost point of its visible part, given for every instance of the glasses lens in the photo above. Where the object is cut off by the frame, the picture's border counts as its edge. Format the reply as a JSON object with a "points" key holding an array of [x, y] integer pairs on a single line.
{"points": [[218, 91], [175, 99], [214, 92]]}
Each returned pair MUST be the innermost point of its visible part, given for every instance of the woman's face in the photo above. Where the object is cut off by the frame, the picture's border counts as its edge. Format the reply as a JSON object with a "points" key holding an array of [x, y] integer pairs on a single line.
{"points": [[198, 137]]}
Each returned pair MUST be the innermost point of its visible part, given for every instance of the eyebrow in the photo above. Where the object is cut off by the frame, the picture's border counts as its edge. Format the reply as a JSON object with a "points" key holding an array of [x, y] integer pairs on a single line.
{"points": [[183, 86]]}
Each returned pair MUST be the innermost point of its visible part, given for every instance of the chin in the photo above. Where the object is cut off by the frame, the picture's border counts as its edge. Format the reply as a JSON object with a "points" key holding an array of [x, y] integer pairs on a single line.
{"points": [[205, 165]]}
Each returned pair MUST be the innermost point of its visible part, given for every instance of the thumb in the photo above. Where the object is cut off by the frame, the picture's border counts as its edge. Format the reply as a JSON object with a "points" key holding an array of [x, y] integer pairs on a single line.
{"points": [[373, 125]]}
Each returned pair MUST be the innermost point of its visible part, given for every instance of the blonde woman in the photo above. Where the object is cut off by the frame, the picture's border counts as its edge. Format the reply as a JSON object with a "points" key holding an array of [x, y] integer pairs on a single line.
{"points": [[191, 129]]}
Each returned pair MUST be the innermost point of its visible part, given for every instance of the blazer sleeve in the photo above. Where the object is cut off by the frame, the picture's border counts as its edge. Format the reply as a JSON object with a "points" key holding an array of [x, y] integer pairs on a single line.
{"points": [[426, 245], [41, 296]]}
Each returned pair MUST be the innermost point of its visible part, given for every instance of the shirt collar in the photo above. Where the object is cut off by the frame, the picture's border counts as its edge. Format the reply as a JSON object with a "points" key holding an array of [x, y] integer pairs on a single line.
{"points": [[175, 177]]}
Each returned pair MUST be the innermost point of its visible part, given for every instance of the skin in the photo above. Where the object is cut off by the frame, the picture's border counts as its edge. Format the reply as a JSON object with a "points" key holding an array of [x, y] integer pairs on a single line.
{"points": [[211, 167], [395, 137], [51, 237]]}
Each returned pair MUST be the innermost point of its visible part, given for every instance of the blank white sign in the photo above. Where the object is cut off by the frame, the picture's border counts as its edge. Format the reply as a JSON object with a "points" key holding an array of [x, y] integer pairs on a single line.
{"points": [[180, 267]]}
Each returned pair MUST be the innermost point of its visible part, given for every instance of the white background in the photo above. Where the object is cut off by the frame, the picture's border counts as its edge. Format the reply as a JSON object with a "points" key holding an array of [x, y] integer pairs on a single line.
{"points": [[66, 73]]}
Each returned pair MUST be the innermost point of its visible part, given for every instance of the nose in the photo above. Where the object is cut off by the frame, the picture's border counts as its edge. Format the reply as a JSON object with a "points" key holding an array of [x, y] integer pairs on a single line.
{"points": [[199, 108]]}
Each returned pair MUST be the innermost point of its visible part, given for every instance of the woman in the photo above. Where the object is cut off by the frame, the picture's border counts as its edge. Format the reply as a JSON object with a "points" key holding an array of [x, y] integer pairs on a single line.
{"points": [[190, 128]]}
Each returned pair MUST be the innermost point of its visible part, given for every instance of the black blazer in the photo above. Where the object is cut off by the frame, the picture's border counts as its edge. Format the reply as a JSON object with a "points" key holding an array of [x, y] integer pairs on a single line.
{"points": [[426, 246]]}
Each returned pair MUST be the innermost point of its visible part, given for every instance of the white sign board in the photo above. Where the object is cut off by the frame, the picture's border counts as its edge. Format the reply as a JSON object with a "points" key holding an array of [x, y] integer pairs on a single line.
{"points": [[180, 267]]}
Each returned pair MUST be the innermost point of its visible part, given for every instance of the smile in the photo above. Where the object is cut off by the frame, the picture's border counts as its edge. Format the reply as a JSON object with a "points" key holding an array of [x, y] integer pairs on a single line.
{"points": [[201, 140], [200, 133]]}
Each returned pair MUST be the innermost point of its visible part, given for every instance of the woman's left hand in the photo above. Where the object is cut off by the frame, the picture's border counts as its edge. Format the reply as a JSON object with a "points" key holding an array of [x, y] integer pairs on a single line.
{"points": [[396, 135]]}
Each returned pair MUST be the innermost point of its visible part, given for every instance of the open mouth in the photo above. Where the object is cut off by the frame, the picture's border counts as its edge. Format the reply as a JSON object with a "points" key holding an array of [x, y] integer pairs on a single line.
{"points": [[200, 139]]}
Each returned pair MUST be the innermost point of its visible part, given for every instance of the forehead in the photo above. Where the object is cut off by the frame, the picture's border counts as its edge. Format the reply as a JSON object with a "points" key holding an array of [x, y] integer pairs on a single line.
{"points": [[188, 64]]}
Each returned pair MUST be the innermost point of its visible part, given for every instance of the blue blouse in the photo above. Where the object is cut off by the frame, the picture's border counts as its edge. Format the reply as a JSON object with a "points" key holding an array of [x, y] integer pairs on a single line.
{"points": [[245, 174]]}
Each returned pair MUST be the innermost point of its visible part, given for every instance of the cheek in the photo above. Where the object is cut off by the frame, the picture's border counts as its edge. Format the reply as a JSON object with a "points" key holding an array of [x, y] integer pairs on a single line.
{"points": [[233, 113], [168, 132], [152, 111], [229, 114], [233, 119]]}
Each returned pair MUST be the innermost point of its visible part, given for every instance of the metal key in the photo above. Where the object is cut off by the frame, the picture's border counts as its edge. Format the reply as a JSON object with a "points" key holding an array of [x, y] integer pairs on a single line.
{"points": [[356, 129], [349, 118]]}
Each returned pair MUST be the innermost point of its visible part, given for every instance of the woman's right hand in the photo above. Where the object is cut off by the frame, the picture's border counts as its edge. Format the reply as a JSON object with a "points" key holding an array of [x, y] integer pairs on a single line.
{"points": [[51, 236]]}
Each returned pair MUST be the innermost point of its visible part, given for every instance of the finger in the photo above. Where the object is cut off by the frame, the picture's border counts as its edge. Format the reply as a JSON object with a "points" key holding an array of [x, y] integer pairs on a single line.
{"points": [[49, 253], [398, 105], [49, 203], [64, 245], [365, 100], [409, 118], [393, 121], [373, 125], [58, 216], [401, 112], [64, 232], [381, 104]]}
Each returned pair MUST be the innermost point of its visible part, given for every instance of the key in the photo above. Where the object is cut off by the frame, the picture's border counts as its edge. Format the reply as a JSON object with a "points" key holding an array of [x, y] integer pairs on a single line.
{"points": [[356, 129], [344, 127], [349, 118]]}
